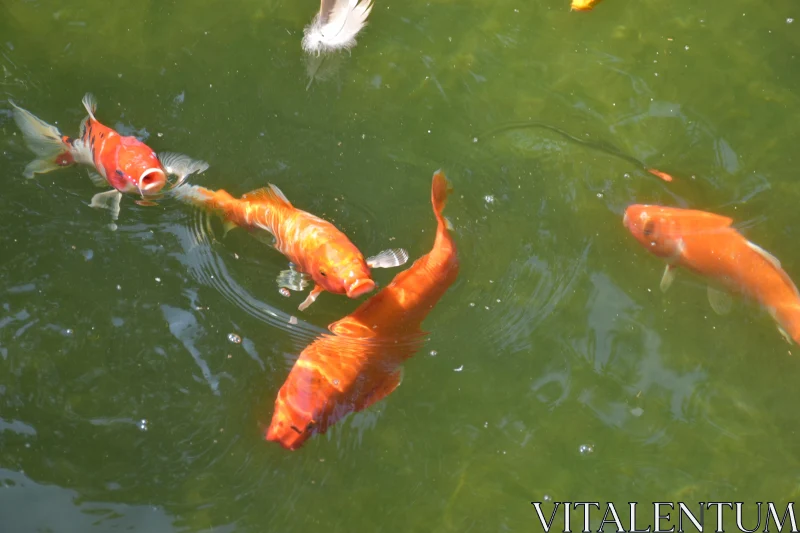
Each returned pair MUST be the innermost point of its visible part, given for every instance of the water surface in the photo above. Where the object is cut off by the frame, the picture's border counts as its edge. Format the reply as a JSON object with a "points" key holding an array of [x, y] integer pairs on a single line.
{"points": [[123, 403]]}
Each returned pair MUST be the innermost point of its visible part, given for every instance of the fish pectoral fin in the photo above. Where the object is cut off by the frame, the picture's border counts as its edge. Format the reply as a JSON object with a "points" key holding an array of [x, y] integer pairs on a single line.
{"points": [[785, 335], [388, 258], [765, 254], [181, 166], [721, 302], [293, 280], [312, 296], [227, 226], [97, 179], [383, 389], [107, 200], [667, 278]]}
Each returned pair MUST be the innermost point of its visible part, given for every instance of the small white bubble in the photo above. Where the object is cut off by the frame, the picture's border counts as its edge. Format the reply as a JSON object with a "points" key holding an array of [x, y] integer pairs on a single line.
{"points": [[160, 134], [489, 199], [626, 176], [459, 369], [472, 304], [585, 449], [486, 307], [68, 332], [486, 424], [433, 353], [474, 139], [142, 424], [686, 47], [599, 195], [546, 498], [119, 287], [498, 300], [234, 338], [158, 280], [789, 20], [27, 444]]}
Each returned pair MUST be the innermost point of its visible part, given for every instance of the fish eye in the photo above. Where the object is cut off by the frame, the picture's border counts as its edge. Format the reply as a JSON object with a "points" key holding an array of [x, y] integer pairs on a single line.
{"points": [[649, 228], [324, 275]]}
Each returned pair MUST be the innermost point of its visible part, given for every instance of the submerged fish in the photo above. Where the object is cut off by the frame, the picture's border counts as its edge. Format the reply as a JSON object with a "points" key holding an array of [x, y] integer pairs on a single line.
{"points": [[583, 5], [315, 247], [706, 244], [360, 363], [336, 25], [124, 162]]}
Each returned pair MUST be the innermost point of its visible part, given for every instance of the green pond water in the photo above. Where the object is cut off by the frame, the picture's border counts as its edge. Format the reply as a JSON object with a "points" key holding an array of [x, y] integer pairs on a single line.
{"points": [[554, 368]]}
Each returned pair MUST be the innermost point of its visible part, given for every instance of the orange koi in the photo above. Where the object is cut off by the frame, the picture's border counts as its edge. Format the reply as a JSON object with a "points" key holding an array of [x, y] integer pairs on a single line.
{"points": [[583, 5], [124, 162], [706, 244], [315, 247], [360, 363]]}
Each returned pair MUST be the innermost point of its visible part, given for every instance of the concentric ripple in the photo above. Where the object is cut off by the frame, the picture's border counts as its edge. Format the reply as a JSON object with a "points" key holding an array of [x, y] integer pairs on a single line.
{"points": [[209, 268]]}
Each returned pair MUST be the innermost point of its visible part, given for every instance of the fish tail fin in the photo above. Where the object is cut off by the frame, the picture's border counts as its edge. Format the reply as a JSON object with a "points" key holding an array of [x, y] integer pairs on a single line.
{"points": [[44, 140], [90, 103], [440, 189], [194, 194]]}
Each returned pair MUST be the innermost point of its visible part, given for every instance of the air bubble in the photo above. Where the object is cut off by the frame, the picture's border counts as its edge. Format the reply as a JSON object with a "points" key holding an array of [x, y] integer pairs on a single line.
{"points": [[142, 424], [284, 292], [234, 338], [586, 449], [433, 353], [789, 20]]}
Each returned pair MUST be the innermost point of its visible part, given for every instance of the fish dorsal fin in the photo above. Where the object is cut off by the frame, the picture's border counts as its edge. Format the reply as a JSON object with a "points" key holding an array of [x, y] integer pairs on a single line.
{"points": [[270, 194], [772, 260], [765, 254], [90, 104], [382, 389]]}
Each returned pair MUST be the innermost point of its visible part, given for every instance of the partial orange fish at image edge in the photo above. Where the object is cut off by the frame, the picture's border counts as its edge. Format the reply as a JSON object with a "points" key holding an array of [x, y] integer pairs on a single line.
{"points": [[584, 5]]}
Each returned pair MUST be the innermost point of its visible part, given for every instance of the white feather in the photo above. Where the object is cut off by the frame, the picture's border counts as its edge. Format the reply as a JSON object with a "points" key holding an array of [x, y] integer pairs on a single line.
{"points": [[336, 25]]}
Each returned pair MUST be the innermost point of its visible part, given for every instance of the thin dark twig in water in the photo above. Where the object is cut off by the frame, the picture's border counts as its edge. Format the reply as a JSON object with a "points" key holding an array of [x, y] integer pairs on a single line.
{"points": [[603, 147]]}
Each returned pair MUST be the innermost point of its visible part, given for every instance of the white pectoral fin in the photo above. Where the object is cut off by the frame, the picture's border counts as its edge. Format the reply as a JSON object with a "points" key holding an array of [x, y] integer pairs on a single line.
{"points": [[721, 302], [108, 200], [181, 166], [388, 258], [667, 278], [97, 179]]}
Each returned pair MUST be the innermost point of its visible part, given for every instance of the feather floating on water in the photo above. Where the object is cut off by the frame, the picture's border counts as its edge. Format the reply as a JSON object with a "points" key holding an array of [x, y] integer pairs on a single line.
{"points": [[336, 25]]}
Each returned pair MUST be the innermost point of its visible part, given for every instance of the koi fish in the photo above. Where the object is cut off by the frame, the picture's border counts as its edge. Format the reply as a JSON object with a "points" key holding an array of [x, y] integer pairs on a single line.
{"points": [[360, 363], [124, 162], [315, 247], [583, 5], [706, 244], [336, 25]]}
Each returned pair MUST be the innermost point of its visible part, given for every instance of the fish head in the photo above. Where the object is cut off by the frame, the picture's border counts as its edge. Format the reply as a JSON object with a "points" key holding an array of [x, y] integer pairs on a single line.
{"points": [[288, 428], [344, 272], [655, 228], [141, 168]]}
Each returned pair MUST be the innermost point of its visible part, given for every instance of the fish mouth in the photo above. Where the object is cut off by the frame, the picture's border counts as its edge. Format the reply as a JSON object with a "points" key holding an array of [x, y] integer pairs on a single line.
{"points": [[360, 287], [151, 180], [289, 437]]}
